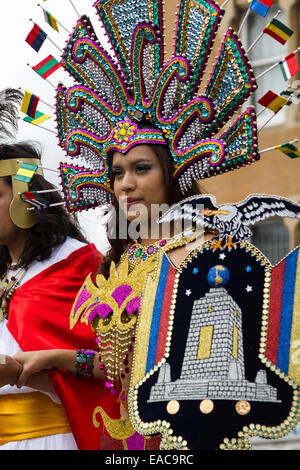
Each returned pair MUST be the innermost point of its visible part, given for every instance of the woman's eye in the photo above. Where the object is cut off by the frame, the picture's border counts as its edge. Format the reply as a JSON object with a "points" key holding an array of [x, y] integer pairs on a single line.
{"points": [[117, 173], [141, 168]]}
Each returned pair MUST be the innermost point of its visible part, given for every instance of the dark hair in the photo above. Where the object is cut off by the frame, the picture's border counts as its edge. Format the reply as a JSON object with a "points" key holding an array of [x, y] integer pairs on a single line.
{"points": [[53, 224], [118, 245]]}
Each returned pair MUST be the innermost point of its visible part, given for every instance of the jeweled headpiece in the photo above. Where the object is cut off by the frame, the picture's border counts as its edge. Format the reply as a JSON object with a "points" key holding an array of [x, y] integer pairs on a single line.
{"points": [[101, 113]]}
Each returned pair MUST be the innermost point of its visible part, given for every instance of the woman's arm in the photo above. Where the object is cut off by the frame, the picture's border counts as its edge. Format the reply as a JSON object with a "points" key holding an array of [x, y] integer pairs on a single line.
{"points": [[10, 370], [34, 362]]}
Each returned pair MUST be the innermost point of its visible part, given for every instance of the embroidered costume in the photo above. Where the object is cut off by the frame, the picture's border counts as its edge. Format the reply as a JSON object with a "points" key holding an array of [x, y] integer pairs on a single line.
{"points": [[210, 345]]}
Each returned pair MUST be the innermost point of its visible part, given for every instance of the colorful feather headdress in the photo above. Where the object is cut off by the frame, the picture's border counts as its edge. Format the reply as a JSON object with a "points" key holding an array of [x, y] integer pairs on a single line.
{"points": [[112, 94]]}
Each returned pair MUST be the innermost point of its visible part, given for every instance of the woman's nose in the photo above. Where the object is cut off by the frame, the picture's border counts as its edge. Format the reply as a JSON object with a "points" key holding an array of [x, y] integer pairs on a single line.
{"points": [[128, 182]]}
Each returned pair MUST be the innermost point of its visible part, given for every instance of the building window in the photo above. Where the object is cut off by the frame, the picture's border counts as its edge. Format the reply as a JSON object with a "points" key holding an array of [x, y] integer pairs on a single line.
{"points": [[263, 55], [205, 342], [272, 239]]}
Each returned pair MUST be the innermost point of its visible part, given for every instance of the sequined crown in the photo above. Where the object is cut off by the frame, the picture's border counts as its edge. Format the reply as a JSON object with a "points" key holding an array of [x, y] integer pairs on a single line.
{"points": [[112, 94]]}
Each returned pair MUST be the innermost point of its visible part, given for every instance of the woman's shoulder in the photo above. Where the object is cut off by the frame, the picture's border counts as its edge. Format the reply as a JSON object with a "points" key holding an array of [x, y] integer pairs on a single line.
{"points": [[177, 254]]}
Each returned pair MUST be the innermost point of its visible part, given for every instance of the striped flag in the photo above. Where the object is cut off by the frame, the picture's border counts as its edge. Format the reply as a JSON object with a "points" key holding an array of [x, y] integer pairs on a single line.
{"points": [[38, 119], [36, 37], [289, 66], [292, 96], [283, 335], [29, 104], [34, 199], [273, 101], [26, 172], [278, 31], [47, 67], [50, 20], [289, 149], [261, 6], [287, 95]]}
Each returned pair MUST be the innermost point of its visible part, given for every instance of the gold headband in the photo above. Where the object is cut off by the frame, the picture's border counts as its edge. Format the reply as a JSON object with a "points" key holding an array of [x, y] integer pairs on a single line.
{"points": [[18, 208]]}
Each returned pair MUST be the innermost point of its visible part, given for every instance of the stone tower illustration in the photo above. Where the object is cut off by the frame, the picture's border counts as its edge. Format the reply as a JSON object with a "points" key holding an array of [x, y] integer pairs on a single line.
{"points": [[213, 363]]}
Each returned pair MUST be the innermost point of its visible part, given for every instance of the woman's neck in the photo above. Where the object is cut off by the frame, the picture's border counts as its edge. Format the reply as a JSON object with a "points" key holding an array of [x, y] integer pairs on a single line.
{"points": [[16, 246], [156, 233]]}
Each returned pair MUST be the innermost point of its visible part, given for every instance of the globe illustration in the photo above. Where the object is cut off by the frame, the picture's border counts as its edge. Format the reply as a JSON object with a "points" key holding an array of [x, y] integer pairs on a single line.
{"points": [[218, 276]]}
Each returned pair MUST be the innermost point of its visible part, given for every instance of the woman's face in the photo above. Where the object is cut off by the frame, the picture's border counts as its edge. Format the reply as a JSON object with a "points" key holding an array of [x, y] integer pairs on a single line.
{"points": [[138, 181]]}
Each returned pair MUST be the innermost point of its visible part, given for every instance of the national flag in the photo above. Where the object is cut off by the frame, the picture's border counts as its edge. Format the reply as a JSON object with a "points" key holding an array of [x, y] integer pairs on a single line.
{"points": [[50, 20], [29, 104], [261, 6], [289, 149], [278, 31], [289, 66], [273, 101], [34, 199], [36, 37], [38, 119], [288, 95], [26, 172], [47, 67], [283, 329]]}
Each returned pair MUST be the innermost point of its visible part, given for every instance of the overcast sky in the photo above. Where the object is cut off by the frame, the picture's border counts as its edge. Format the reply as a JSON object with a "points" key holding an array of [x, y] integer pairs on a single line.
{"points": [[15, 25]]}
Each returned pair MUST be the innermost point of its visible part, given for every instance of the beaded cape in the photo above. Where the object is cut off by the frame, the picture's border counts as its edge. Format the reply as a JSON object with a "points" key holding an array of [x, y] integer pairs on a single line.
{"points": [[216, 357]]}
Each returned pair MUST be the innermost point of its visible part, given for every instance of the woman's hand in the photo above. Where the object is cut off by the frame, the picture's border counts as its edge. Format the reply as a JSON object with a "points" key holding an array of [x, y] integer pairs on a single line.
{"points": [[33, 362], [10, 369]]}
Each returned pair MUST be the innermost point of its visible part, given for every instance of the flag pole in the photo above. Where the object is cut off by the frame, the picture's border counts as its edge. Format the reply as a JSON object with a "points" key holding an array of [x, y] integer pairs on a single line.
{"points": [[42, 191], [224, 4], [274, 66], [275, 147], [244, 21], [58, 22], [41, 100], [49, 39], [74, 8], [40, 166], [261, 34], [267, 122], [42, 127], [46, 79], [50, 205]]}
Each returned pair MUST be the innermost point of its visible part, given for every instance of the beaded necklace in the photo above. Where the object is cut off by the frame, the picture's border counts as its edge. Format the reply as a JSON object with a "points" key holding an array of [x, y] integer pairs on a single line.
{"points": [[8, 286], [137, 253]]}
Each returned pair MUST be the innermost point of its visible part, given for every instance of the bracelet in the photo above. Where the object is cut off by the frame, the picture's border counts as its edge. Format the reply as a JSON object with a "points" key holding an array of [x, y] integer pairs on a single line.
{"points": [[84, 364]]}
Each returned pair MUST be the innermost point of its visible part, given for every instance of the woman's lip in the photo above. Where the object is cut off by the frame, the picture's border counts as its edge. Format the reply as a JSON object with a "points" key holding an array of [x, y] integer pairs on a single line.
{"points": [[131, 202]]}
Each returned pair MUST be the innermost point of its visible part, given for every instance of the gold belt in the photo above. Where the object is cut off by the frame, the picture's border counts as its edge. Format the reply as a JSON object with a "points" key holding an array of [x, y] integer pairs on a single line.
{"points": [[29, 415]]}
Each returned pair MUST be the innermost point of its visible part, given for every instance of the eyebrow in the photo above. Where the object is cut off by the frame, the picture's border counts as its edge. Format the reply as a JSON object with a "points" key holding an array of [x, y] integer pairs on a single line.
{"points": [[136, 162]]}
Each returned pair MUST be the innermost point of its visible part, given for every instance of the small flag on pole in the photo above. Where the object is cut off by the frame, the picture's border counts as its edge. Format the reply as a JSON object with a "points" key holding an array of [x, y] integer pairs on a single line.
{"points": [[50, 20], [26, 172], [34, 199], [273, 101], [288, 95], [289, 66], [38, 119], [278, 31], [36, 37], [47, 67], [29, 104], [289, 149], [261, 6]]}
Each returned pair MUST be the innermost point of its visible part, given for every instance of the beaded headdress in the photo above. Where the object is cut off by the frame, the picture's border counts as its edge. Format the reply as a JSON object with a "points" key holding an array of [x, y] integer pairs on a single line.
{"points": [[113, 93]]}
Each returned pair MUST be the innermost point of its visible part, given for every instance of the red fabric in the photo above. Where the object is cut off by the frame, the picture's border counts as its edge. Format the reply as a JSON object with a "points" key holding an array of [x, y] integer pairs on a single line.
{"points": [[275, 312], [39, 318], [164, 319]]}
